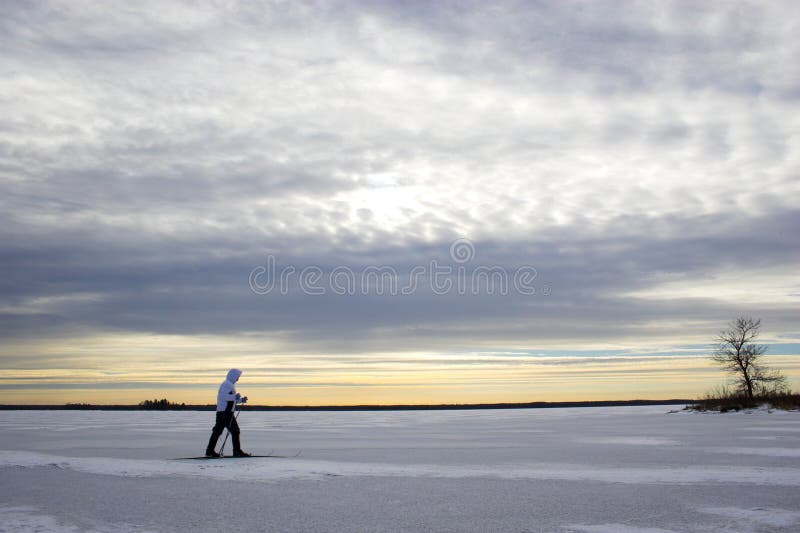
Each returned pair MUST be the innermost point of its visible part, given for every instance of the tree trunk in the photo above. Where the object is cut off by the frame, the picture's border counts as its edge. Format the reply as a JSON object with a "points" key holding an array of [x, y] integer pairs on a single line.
{"points": [[749, 384]]}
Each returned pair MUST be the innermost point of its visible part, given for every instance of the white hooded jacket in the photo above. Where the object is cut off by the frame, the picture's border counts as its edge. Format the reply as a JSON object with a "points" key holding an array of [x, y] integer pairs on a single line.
{"points": [[227, 391]]}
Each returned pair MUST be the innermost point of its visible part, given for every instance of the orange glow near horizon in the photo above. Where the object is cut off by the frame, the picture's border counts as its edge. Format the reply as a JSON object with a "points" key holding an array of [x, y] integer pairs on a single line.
{"points": [[412, 381]]}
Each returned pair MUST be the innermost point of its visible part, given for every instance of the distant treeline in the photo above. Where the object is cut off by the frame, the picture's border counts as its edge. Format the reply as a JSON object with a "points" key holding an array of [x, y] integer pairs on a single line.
{"points": [[162, 405], [166, 405], [93, 407]]}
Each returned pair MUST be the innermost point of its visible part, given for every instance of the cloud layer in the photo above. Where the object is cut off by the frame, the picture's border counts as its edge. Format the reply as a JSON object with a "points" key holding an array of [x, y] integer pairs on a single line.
{"points": [[643, 158]]}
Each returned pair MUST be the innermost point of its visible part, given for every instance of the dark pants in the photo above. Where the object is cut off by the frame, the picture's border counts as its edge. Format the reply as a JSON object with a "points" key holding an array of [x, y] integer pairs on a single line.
{"points": [[225, 420]]}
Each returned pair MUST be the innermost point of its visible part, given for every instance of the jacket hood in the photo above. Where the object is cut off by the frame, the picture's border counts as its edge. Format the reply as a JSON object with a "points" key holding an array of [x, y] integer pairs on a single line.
{"points": [[234, 374]]}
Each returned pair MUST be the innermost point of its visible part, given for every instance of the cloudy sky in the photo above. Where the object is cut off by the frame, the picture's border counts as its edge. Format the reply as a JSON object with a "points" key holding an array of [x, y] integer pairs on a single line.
{"points": [[635, 165]]}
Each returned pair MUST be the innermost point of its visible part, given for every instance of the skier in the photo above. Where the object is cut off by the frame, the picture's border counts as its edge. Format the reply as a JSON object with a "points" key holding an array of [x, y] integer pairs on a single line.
{"points": [[227, 398]]}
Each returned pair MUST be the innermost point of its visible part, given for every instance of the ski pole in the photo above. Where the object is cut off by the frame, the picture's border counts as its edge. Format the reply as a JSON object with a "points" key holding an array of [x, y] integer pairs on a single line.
{"points": [[235, 416]]}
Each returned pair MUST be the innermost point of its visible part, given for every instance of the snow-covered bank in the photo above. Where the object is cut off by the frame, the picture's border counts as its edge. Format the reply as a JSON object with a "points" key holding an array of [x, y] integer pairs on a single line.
{"points": [[592, 469], [277, 469]]}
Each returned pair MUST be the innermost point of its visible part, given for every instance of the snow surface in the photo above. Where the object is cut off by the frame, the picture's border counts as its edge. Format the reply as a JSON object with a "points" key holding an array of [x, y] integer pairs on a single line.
{"points": [[620, 469]]}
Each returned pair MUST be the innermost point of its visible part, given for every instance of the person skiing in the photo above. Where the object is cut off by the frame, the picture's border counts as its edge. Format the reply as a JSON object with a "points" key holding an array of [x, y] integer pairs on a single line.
{"points": [[227, 398]]}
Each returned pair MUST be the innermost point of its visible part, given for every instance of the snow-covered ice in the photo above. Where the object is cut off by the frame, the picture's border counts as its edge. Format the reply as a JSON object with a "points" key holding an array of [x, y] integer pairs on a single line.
{"points": [[621, 469]]}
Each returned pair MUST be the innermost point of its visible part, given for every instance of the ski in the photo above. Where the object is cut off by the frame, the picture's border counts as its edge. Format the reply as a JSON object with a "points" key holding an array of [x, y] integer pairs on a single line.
{"points": [[203, 457], [269, 455]]}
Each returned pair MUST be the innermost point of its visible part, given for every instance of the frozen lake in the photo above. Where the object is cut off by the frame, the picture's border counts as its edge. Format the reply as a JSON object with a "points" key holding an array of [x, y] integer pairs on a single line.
{"points": [[614, 469]]}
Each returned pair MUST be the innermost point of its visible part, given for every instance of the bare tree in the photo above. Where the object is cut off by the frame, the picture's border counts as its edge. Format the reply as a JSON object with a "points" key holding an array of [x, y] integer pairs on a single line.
{"points": [[737, 352]]}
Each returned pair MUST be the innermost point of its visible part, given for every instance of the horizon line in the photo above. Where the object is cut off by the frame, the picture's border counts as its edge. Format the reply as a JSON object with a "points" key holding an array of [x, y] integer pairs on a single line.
{"points": [[362, 407]]}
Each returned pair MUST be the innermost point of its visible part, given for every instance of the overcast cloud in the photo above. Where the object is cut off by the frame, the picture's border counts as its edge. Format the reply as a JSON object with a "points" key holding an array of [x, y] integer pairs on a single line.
{"points": [[644, 157]]}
